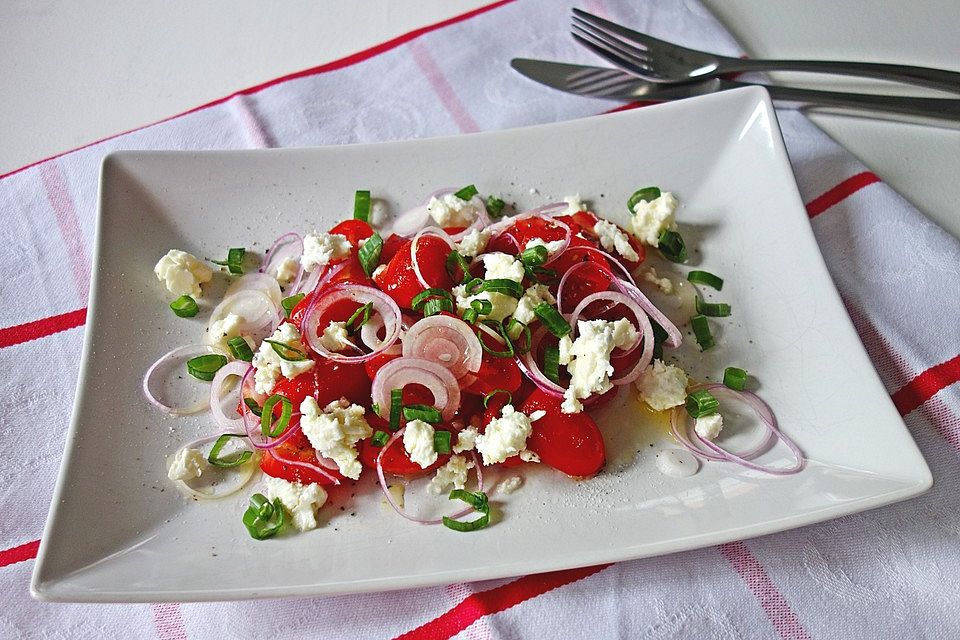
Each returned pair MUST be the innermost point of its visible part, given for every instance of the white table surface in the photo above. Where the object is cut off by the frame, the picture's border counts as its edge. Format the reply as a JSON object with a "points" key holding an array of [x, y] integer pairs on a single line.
{"points": [[75, 72]]}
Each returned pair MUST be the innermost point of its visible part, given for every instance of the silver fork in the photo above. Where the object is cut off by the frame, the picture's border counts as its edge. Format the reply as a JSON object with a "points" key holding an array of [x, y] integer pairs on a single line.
{"points": [[655, 60]]}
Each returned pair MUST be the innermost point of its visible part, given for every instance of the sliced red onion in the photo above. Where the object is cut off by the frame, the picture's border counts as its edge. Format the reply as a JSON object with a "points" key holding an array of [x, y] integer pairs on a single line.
{"points": [[530, 367], [258, 312], [616, 298], [251, 423], [292, 244], [679, 424], [393, 503], [183, 353], [433, 231], [450, 342], [370, 332], [325, 472], [262, 282], [400, 372], [411, 221], [240, 475], [382, 305], [235, 368]]}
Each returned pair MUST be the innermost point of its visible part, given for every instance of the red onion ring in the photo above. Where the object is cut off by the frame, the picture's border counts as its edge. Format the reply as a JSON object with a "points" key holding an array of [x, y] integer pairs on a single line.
{"points": [[393, 503], [437, 337], [186, 350], [616, 298], [306, 465], [251, 423], [246, 471], [528, 363], [507, 232], [288, 238], [248, 302], [256, 282], [544, 211], [235, 368], [719, 454], [433, 231], [382, 304], [400, 372]]}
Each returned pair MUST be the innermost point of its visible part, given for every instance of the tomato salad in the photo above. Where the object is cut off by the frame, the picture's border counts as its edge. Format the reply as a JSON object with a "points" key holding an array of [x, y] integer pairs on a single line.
{"points": [[457, 340]]}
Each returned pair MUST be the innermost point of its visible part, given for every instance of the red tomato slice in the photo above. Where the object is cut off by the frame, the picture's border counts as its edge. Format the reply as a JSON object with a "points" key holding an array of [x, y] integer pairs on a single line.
{"points": [[395, 460], [399, 280], [570, 443], [327, 381], [391, 246], [496, 373], [523, 231], [373, 364], [298, 448], [584, 281], [354, 230]]}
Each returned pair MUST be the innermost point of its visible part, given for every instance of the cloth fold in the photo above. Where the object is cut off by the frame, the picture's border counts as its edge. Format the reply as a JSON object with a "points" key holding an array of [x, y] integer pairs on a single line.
{"points": [[892, 571]]}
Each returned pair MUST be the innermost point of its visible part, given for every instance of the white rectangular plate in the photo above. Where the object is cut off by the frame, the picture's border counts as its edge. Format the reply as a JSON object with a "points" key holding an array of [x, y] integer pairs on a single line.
{"points": [[118, 531]]}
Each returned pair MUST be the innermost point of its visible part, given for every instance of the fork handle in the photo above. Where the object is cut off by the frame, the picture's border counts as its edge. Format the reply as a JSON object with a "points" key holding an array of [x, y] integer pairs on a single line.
{"points": [[922, 76], [941, 108]]}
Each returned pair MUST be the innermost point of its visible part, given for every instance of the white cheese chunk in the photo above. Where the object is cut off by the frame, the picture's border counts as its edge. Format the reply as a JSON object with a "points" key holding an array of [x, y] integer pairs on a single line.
{"points": [[187, 464], [589, 358], [664, 284], [496, 266], [709, 427], [533, 296], [574, 204], [450, 211], [182, 273], [335, 337], [320, 248], [507, 435], [612, 238], [268, 364], [663, 386], [474, 243], [454, 474], [302, 501], [466, 440], [651, 218], [552, 246], [334, 433], [509, 485], [286, 270], [418, 443], [222, 331]]}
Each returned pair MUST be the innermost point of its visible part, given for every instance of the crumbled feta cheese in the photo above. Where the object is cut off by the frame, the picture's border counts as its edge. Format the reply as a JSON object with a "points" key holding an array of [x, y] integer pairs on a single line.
{"points": [[335, 432], [418, 443], [466, 440], [335, 337], [509, 485], [507, 435], [574, 204], [612, 238], [378, 271], [301, 500], [474, 243], [529, 456], [270, 366], [496, 266], [503, 266], [454, 473], [588, 358], [664, 284], [552, 247], [451, 211], [663, 386], [182, 273], [286, 270], [525, 308], [320, 248], [651, 218], [565, 349], [709, 427], [187, 465], [222, 331]]}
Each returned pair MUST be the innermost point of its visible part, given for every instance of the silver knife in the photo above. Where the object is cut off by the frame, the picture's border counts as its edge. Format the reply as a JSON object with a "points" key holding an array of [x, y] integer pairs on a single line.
{"points": [[614, 84]]}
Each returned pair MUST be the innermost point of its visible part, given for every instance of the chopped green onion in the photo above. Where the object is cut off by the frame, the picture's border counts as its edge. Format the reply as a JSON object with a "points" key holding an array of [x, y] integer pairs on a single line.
{"points": [[542, 274], [520, 346], [476, 500], [361, 206], [555, 323], [436, 305], [263, 519], [481, 306], [705, 278], [551, 363], [185, 307], [267, 426], [701, 331], [534, 256], [290, 303], [486, 398], [205, 367], [671, 246], [427, 294], [495, 207], [702, 403], [359, 318], [712, 309], [369, 253], [470, 316], [503, 285], [473, 286], [380, 438], [375, 408], [660, 336], [647, 194], [422, 412], [467, 192], [735, 378], [240, 349], [456, 260], [286, 352], [396, 408], [500, 329], [253, 406], [234, 261], [234, 459], [441, 441]]}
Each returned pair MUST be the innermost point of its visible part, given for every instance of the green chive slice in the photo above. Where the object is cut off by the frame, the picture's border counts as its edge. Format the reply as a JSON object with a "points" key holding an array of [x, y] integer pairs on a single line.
{"points": [[705, 278], [534, 256], [555, 323], [495, 207], [369, 253], [267, 426], [486, 398], [454, 261], [478, 500], [205, 367], [359, 318], [253, 406], [234, 459], [735, 378], [263, 519], [436, 305], [467, 192], [701, 403], [234, 261], [508, 352], [290, 303], [396, 408], [361, 206], [185, 307], [240, 349], [712, 309], [504, 286], [380, 438], [441, 441], [286, 352], [426, 295], [551, 363], [701, 331], [422, 412], [647, 194]]}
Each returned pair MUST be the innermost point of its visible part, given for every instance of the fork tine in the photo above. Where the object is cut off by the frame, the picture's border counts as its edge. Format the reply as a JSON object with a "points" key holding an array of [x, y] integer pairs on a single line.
{"points": [[639, 56], [603, 51], [627, 59], [629, 34]]}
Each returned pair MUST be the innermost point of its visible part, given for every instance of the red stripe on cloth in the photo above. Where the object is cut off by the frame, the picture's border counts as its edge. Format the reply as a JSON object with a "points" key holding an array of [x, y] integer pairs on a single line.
{"points": [[926, 385], [58, 193], [778, 610], [485, 603], [341, 63], [168, 621], [843, 190], [631, 105], [25, 551], [28, 331], [443, 89], [945, 422]]}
